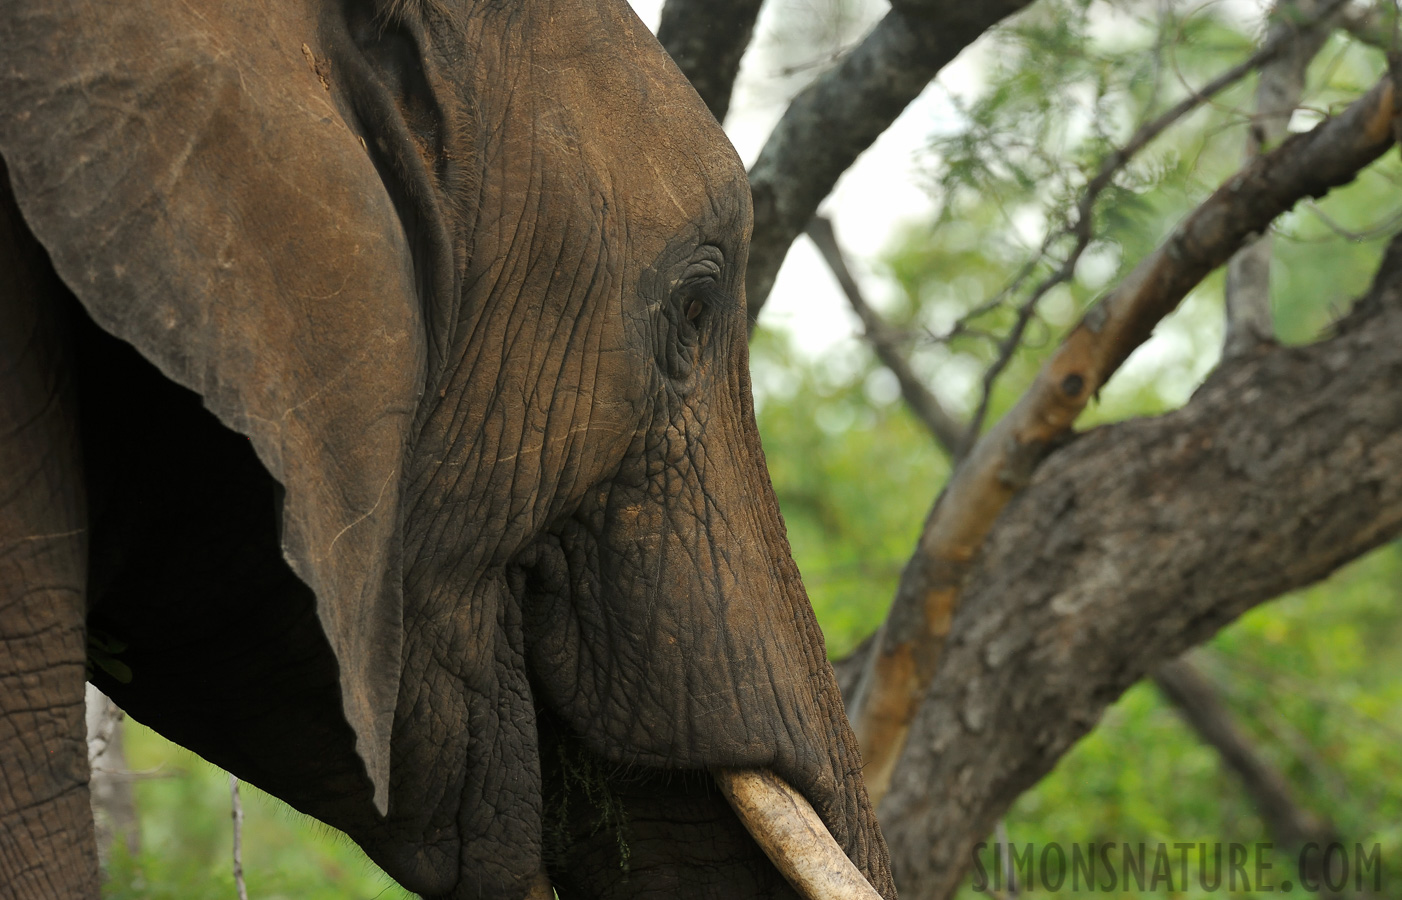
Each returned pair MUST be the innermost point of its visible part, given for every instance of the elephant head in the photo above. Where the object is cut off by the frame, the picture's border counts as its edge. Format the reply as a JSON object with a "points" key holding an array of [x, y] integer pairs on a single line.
{"points": [[481, 510]]}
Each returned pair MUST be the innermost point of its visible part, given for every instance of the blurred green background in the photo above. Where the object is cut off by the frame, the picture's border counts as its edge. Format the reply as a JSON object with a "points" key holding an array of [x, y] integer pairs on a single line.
{"points": [[184, 807]]}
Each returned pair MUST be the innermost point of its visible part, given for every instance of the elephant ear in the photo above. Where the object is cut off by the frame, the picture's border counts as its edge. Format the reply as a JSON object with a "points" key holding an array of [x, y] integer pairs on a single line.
{"points": [[185, 164]]}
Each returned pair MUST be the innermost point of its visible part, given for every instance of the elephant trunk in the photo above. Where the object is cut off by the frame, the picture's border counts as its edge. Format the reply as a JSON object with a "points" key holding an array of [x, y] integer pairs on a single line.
{"points": [[788, 829]]}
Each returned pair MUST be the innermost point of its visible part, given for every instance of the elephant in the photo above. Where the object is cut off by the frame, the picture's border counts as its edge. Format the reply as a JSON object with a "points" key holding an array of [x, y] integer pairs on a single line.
{"points": [[375, 422]]}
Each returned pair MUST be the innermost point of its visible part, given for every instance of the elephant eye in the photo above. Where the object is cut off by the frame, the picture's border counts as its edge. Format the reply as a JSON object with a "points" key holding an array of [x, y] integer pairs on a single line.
{"points": [[693, 310], [696, 298]]}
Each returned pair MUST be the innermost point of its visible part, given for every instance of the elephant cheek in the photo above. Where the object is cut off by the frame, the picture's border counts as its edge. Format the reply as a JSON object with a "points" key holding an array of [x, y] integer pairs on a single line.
{"points": [[465, 812], [667, 628], [666, 634]]}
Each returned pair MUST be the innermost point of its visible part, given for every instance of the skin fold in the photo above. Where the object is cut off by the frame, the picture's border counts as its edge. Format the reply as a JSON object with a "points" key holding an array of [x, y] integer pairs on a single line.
{"points": [[388, 364]]}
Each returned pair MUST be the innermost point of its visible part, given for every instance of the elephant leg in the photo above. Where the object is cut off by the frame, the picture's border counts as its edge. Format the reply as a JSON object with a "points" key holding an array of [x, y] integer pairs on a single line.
{"points": [[47, 848]]}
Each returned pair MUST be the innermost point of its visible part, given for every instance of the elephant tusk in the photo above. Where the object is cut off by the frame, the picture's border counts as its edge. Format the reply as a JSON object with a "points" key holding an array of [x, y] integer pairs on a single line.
{"points": [[788, 829]]}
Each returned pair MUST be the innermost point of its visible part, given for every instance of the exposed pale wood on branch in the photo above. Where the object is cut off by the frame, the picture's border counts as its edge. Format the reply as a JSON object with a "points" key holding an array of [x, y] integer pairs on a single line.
{"points": [[1290, 824], [947, 430], [1135, 542], [830, 123], [908, 648], [707, 39], [1083, 227], [1278, 92]]}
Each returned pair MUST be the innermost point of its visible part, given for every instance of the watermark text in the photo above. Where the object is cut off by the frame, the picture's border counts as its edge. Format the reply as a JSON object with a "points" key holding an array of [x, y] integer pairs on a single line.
{"points": [[1111, 866]]}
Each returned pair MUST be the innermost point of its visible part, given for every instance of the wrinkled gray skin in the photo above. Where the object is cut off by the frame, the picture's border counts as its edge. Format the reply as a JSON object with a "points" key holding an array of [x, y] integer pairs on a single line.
{"points": [[373, 390]]}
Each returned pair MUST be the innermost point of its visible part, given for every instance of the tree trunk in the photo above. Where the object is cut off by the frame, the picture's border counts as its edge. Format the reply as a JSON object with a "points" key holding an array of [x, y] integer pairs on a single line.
{"points": [[113, 805], [1135, 542]]}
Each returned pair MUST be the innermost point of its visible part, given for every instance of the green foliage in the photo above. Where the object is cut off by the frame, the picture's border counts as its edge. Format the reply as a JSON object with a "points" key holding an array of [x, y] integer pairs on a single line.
{"points": [[186, 839], [1313, 680], [843, 453], [584, 783], [1071, 82], [1312, 676]]}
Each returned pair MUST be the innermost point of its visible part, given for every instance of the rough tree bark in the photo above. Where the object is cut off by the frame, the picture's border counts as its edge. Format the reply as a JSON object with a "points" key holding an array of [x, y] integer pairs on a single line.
{"points": [[911, 640], [1135, 542], [1289, 823], [1249, 323]]}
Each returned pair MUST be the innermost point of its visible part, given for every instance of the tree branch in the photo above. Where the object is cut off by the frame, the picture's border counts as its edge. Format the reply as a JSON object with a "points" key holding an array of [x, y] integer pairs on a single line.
{"points": [[830, 123], [707, 39], [109, 789], [947, 430], [1132, 544], [1290, 824], [236, 813], [1083, 228], [910, 641], [1278, 92], [1376, 25]]}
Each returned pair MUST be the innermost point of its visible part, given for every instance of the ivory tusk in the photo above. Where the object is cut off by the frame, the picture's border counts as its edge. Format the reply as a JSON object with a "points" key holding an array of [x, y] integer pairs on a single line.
{"points": [[788, 829]]}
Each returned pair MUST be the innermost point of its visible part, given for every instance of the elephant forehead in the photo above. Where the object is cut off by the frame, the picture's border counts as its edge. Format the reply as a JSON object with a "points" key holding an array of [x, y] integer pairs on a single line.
{"points": [[634, 119]]}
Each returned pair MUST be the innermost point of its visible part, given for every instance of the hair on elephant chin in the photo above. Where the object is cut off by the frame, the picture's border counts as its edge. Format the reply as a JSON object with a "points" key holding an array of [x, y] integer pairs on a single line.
{"points": [[580, 789], [618, 830], [397, 10]]}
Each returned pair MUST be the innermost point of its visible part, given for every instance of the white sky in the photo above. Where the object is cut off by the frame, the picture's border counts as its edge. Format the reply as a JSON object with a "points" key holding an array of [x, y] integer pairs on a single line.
{"points": [[872, 200], [881, 192]]}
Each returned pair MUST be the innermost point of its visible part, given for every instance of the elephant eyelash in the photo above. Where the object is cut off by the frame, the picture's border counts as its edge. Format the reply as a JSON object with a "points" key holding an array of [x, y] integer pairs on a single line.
{"points": [[700, 296]]}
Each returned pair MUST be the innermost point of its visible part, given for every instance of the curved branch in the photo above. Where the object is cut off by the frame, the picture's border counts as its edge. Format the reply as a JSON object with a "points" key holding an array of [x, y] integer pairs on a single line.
{"points": [[912, 638], [1136, 542], [1290, 824], [947, 431], [830, 123], [1083, 228], [707, 39]]}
